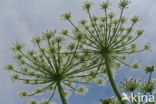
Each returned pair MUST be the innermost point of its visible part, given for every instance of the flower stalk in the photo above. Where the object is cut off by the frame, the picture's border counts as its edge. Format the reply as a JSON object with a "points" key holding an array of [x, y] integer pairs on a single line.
{"points": [[111, 80], [149, 80], [61, 91]]}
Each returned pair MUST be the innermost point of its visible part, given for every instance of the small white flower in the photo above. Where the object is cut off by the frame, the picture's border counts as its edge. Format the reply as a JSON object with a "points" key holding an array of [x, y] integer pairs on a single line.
{"points": [[82, 90], [44, 101], [33, 101], [14, 77], [9, 67], [100, 81], [135, 65], [67, 94], [23, 94], [36, 39]]}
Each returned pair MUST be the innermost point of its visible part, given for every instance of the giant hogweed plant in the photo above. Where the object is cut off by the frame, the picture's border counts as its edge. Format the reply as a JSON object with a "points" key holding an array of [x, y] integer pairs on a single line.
{"points": [[53, 65], [109, 38], [100, 45]]}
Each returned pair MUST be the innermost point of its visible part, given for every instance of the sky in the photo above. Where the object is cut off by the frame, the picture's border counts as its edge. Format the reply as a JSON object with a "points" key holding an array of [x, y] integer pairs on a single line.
{"points": [[22, 19]]}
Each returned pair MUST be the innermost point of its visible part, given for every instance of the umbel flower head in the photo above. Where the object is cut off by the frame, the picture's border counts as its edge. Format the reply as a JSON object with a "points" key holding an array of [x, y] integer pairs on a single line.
{"points": [[109, 38], [43, 101], [130, 84], [148, 86], [108, 35], [149, 69], [111, 100], [53, 64]]}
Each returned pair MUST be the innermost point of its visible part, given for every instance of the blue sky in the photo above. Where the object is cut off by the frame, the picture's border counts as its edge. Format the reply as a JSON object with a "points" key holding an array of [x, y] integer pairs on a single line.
{"points": [[22, 19]]}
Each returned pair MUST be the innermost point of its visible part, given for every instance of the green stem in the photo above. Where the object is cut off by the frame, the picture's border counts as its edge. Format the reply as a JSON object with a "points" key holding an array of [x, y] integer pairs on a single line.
{"points": [[111, 79], [60, 90], [149, 80]]}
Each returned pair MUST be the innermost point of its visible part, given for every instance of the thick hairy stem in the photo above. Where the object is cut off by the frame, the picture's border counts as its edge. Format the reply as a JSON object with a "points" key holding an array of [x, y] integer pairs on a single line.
{"points": [[111, 80], [60, 90]]}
